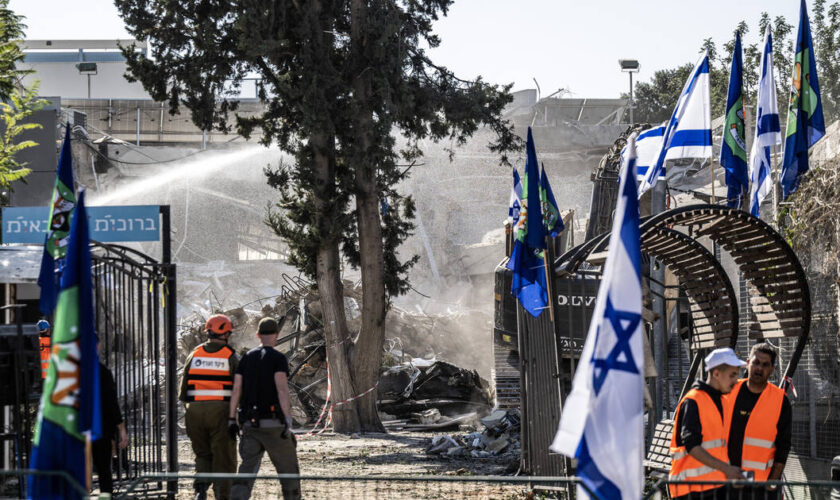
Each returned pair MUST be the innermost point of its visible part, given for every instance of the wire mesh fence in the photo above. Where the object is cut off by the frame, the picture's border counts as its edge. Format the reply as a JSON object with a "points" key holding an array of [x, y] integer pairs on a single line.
{"points": [[13, 483], [747, 490], [428, 487], [374, 487]]}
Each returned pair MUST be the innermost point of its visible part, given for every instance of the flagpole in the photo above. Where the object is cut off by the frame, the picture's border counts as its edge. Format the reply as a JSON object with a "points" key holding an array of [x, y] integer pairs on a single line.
{"points": [[712, 170], [773, 181], [88, 462], [548, 290]]}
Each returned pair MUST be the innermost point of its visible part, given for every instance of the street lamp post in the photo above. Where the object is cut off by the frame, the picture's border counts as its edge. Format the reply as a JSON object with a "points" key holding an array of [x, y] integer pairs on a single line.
{"points": [[87, 68], [630, 66]]}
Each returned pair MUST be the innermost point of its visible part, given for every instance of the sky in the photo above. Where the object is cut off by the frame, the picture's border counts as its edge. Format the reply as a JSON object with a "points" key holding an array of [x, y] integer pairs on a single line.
{"points": [[569, 44]]}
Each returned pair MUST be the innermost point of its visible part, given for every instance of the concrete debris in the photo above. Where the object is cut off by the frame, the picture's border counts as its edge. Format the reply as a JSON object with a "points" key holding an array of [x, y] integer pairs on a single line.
{"points": [[494, 419], [441, 444], [500, 437], [417, 389], [497, 445], [429, 416]]}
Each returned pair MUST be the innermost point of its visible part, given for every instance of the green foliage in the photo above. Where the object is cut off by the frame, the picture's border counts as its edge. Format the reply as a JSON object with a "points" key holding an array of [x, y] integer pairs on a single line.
{"points": [[827, 43], [336, 85], [16, 101], [11, 32], [655, 100], [22, 105]]}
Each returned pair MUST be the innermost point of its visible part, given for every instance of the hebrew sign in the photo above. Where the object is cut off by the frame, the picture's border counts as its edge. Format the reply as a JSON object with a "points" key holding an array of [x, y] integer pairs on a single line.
{"points": [[107, 224]]}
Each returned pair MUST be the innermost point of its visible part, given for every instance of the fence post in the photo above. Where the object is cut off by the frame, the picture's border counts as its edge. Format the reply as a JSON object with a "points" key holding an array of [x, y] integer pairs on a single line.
{"points": [[170, 292]]}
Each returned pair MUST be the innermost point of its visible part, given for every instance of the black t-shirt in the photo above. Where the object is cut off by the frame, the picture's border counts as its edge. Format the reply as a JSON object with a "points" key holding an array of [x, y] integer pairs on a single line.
{"points": [[258, 388], [745, 401]]}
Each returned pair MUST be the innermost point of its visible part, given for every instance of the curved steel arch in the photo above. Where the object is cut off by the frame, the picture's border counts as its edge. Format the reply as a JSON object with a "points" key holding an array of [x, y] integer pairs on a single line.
{"points": [[714, 305], [782, 305]]}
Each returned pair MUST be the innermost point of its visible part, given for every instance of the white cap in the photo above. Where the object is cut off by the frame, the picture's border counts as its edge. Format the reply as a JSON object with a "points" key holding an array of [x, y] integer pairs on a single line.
{"points": [[723, 356]]}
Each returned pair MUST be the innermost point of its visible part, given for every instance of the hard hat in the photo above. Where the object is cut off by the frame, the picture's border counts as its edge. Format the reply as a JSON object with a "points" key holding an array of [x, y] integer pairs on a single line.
{"points": [[43, 325], [218, 324]]}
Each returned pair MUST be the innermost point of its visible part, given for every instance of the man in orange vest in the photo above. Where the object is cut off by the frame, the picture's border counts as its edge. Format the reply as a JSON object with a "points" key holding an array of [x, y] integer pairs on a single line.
{"points": [[206, 386], [44, 341], [698, 442], [759, 434]]}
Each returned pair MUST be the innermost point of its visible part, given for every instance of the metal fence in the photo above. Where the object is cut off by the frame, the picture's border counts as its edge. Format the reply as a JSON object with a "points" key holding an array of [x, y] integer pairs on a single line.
{"points": [[15, 488], [380, 487], [548, 352], [133, 296], [444, 487], [747, 490]]}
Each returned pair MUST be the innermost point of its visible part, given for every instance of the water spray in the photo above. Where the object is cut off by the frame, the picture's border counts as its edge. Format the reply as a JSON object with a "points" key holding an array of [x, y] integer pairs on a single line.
{"points": [[200, 165]]}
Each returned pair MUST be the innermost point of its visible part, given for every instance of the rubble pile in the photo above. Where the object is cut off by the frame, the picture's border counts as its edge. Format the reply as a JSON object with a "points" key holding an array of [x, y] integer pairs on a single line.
{"points": [[429, 394], [500, 437], [414, 392]]}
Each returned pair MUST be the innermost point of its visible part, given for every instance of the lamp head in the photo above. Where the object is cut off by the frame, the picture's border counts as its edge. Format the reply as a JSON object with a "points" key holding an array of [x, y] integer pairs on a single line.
{"points": [[629, 65]]}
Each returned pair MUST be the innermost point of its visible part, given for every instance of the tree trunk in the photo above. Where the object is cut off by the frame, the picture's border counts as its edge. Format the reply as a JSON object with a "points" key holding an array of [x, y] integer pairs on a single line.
{"points": [[367, 353], [345, 419]]}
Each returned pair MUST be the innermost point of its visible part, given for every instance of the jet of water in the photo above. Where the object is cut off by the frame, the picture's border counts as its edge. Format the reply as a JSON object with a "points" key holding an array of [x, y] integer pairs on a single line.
{"points": [[198, 166]]}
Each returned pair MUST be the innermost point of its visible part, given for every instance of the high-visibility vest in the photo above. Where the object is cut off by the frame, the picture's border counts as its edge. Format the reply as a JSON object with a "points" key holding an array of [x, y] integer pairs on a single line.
{"points": [[45, 355], [684, 467], [759, 447], [208, 375]]}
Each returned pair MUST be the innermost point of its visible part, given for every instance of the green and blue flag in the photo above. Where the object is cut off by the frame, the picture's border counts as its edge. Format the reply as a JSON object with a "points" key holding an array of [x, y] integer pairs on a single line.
{"points": [[733, 150], [805, 123], [62, 203], [526, 260], [552, 221], [70, 403]]}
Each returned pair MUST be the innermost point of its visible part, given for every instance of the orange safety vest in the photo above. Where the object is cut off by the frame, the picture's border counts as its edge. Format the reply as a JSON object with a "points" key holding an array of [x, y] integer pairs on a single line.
{"points": [[45, 355], [684, 467], [208, 375], [759, 447]]}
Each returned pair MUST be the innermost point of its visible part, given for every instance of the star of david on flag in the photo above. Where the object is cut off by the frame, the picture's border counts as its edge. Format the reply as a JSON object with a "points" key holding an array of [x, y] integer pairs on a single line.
{"points": [[602, 420], [624, 324]]}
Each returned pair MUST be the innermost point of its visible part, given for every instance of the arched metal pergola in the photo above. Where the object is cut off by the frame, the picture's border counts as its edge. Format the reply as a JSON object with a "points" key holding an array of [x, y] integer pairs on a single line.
{"points": [[779, 296], [780, 303]]}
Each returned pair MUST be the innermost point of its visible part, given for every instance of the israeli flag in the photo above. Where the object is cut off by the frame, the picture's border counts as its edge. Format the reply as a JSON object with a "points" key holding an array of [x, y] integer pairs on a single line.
{"points": [[601, 424], [515, 199], [688, 134], [767, 129], [648, 146]]}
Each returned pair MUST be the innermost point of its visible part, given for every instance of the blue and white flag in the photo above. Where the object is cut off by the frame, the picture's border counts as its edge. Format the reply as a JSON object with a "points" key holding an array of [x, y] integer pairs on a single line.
{"points": [[602, 420], [527, 261], [688, 134], [648, 146], [515, 200], [767, 129]]}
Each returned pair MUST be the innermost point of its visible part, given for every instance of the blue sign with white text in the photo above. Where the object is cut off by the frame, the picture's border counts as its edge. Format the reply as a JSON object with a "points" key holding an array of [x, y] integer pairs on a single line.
{"points": [[107, 224]]}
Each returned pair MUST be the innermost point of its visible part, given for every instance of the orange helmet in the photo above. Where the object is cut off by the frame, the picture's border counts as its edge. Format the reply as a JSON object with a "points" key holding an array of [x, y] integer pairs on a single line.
{"points": [[218, 325]]}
